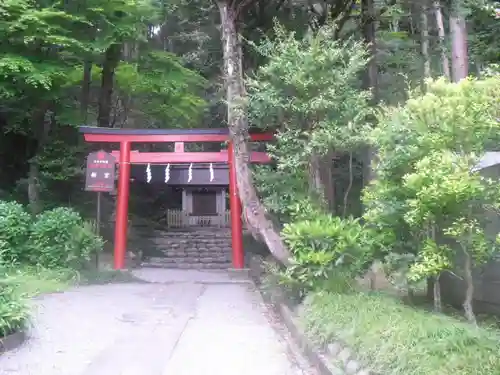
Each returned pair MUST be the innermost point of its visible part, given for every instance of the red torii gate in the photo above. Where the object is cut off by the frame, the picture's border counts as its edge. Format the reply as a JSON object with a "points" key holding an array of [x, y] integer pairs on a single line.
{"points": [[125, 157]]}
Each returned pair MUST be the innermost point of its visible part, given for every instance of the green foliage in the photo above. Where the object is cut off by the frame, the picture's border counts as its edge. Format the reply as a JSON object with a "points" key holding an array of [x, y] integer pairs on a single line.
{"points": [[399, 63], [288, 201], [443, 186], [116, 21], [447, 195], [30, 281], [326, 247], [14, 232], [484, 31], [396, 339], [427, 189], [312, 85], [47, 48], [13, 310], [471, 236], [166, 92], [431, 260], [460, 118], [309, 91], [60, 238], [32, 29], [58, 161], [304, 209]]}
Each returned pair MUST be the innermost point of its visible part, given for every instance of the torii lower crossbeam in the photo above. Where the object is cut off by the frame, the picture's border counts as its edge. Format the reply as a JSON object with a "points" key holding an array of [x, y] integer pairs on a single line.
{"points": [[187, 157], [125, 157]]}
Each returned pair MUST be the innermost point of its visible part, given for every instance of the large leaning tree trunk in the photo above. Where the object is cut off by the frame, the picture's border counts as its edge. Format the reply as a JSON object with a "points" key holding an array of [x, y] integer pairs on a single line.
{"points": [[237, 120]]}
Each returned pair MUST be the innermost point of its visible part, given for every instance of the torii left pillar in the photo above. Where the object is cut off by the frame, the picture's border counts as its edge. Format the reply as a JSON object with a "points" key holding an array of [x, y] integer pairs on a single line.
{"points": [[121, 224]]}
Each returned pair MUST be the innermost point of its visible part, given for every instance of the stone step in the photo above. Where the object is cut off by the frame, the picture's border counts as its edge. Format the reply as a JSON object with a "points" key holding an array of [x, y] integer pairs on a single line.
{"points": [[190, 259], [195, 254], [187, 234], [201, 246], [184, 264], [194, 249]]}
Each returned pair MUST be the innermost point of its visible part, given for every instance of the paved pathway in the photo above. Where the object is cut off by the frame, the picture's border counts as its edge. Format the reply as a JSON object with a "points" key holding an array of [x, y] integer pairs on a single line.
{"points": [[181, 323]]}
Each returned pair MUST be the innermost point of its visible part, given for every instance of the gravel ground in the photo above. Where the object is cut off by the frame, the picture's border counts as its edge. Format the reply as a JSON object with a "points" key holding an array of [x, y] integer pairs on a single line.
{"points": [[180, 323]]}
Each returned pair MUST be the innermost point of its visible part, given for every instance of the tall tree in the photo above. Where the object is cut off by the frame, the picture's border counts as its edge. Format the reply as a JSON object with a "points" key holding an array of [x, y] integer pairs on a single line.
{"points": [[370, 80], [254, 210], [424, 32], [436, 4]]}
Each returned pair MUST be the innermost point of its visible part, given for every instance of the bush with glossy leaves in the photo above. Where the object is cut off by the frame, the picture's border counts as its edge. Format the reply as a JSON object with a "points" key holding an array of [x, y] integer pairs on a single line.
{"points": [[327, 248]]}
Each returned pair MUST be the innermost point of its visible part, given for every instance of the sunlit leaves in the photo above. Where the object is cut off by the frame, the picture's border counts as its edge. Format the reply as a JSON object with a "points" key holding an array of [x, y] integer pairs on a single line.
{"points": [[309, 91], [163, 89], [442, 186], [432, 260], [427, 187]]}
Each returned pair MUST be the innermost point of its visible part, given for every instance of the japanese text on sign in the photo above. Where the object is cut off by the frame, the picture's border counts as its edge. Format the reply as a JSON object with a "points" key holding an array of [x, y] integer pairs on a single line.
{"points": [[100, 173]]}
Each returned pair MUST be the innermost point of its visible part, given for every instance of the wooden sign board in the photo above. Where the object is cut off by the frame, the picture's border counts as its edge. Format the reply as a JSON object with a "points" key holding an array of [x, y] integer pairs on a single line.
{"points": [[100, 173]]}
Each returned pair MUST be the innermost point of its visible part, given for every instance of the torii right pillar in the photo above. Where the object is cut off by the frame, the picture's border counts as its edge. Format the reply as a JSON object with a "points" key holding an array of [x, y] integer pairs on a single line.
{"points": [[235, 211]]}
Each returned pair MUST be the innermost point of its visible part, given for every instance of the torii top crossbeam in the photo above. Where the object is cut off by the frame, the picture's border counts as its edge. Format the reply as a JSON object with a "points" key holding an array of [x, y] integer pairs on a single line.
{"points": [[94, 134]]}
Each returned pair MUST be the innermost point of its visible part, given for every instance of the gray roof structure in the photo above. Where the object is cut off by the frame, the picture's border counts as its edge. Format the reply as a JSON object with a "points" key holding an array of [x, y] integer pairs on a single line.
{"points": [[489, 159]]}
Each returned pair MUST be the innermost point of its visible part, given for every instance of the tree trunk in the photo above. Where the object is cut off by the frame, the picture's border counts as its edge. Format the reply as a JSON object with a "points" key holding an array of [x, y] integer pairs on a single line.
{"points": [[35, 205], [459, 55], [370, 81], [424, 39], [238, 130], [438, 304], [86, 82], [349, 186], [123, 108], [469, 291], [369, 31], [42, 128], [316, 185], [328, 182], [430, 288], [111, 59], [441, 34]]}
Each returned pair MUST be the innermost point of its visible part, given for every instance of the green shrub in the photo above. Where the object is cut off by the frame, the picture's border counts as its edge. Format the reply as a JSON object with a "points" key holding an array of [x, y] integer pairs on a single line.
{"points": [[395, 339], [324, 248], [13, 310], [14, 232], [60, 238]]}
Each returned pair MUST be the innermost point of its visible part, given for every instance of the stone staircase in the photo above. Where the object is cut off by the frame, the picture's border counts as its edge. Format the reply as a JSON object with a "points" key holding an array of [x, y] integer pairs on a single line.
{"points": [[193, 248]]}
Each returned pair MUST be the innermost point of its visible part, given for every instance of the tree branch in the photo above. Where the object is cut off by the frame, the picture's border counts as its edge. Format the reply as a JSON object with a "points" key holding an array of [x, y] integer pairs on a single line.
{"points": [[242, 6]]}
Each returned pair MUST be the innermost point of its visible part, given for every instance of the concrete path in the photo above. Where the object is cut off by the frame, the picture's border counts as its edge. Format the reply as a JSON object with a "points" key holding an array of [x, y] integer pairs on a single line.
{"points": [[179, 323]]}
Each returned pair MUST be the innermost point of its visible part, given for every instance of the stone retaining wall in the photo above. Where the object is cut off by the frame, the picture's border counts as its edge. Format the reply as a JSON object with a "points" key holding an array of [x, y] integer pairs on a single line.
{"points": [[189, 249]]}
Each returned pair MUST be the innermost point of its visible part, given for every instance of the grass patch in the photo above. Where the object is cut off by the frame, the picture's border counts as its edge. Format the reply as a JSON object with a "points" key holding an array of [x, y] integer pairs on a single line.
{"points": [[396, 339], [32, 281], [14, 312], [422, 302]]}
